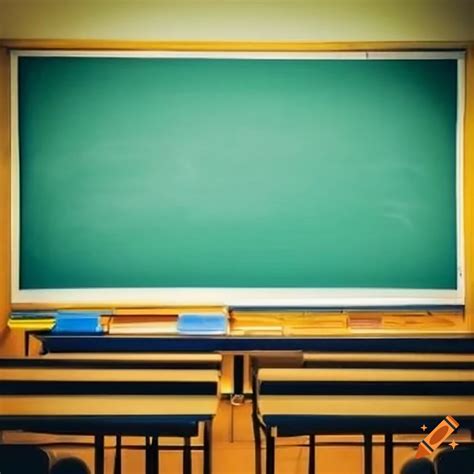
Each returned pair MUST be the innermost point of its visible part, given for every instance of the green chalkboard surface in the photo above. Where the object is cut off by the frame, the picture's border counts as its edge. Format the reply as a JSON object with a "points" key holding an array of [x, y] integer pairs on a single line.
{"points": [[186, 172]]}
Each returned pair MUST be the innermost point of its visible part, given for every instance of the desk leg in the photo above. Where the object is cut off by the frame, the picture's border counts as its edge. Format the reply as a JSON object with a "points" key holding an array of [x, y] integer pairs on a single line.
{"points": [[187, 461], [148, 467], [270, 440], [153, 456], [257, 442], [238, 397], [238, 375], [207, 469], [99, 454], [157, 456], [312, 454], [388, 454], [27, 343], [367, 454], [118, 455]]}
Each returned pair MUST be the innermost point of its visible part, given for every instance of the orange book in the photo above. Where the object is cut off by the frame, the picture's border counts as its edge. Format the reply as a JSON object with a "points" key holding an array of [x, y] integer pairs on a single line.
{"points": [[140, 324]]}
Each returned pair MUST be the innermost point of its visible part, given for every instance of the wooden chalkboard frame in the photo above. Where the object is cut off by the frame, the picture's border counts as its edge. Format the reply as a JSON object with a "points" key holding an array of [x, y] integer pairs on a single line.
{"points": [[246, 297]]}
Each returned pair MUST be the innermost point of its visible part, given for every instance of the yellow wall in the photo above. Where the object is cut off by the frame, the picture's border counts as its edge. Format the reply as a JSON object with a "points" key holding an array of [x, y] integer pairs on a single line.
{"points": [[4, 191], [264, 20], [469, 190]]}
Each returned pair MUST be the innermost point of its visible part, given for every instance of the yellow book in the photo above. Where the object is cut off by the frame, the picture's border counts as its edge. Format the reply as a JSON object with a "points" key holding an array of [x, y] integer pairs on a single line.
{"points": [[31, 325]]}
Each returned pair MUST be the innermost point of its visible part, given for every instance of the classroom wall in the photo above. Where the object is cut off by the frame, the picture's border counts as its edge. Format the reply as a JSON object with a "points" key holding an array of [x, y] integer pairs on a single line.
{"points": [[469, 189], [215, 20], [268, 20], [4, 192]]}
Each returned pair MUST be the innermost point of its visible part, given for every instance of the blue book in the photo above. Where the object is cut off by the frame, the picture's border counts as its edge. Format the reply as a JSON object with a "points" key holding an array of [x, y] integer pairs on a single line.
{"points": [[78, 322], [202, 324]]}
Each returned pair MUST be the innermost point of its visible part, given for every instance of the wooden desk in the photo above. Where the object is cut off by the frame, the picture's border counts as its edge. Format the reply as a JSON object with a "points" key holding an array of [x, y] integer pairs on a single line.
{"points": [[162, 359], [387, 360], [295, 402], [364, 413], [121, 360], [359, 414], [388, 357], [238, 345], [124, 415], [419, 343], [14, 410], [109, 401], [295, 375]]}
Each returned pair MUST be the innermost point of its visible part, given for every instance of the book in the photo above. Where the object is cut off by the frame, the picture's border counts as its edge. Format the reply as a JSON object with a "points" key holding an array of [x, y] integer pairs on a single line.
{"points": [[151, 324], [30, 315], [78, 322], [202, 324], [167, 310], [31, 325]]}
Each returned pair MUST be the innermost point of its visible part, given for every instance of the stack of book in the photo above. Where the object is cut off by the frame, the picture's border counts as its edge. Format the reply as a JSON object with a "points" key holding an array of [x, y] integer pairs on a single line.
{"points": [[60, 321], [169, 320], [32, 320], [143, 324], [286, 323]]}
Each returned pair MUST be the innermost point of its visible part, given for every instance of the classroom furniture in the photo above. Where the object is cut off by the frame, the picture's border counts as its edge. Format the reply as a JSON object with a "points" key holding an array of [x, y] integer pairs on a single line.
{"points": [[168, 361], [462, 343], [387, 360], [308, 401], [406, 361], [140, 360], [418, 466], [116, 396], [19, 459], [447, 461], [258, 360], [459, 461], [70, 465], [419, 343], [365, 129]]}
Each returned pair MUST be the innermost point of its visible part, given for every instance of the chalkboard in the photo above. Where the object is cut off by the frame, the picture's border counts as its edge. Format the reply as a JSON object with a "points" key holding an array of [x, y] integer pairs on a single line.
{"points": [[237, 173]]}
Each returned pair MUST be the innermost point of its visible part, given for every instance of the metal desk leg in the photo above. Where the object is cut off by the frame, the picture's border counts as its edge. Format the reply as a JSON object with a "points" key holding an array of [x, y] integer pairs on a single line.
{"points": [[157, 456], [367, 454], [238, 397], [148, 466], [257, 442], [99, 454], [118, 455], [152, 458], [388, 454], [187, 461], [312, 454], [27, 343], [270, 440], [151, 455], [238, 375], [207, 465]]}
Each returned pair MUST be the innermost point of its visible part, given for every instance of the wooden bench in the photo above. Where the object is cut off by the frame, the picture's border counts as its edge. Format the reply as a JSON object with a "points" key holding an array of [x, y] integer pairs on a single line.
{"points": [[151, 396], [310, 401]]}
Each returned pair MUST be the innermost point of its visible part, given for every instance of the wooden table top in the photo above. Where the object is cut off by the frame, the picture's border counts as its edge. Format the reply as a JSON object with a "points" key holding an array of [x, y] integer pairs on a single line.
{"points": [[368, 405], [106, 405], [364, 375]]}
